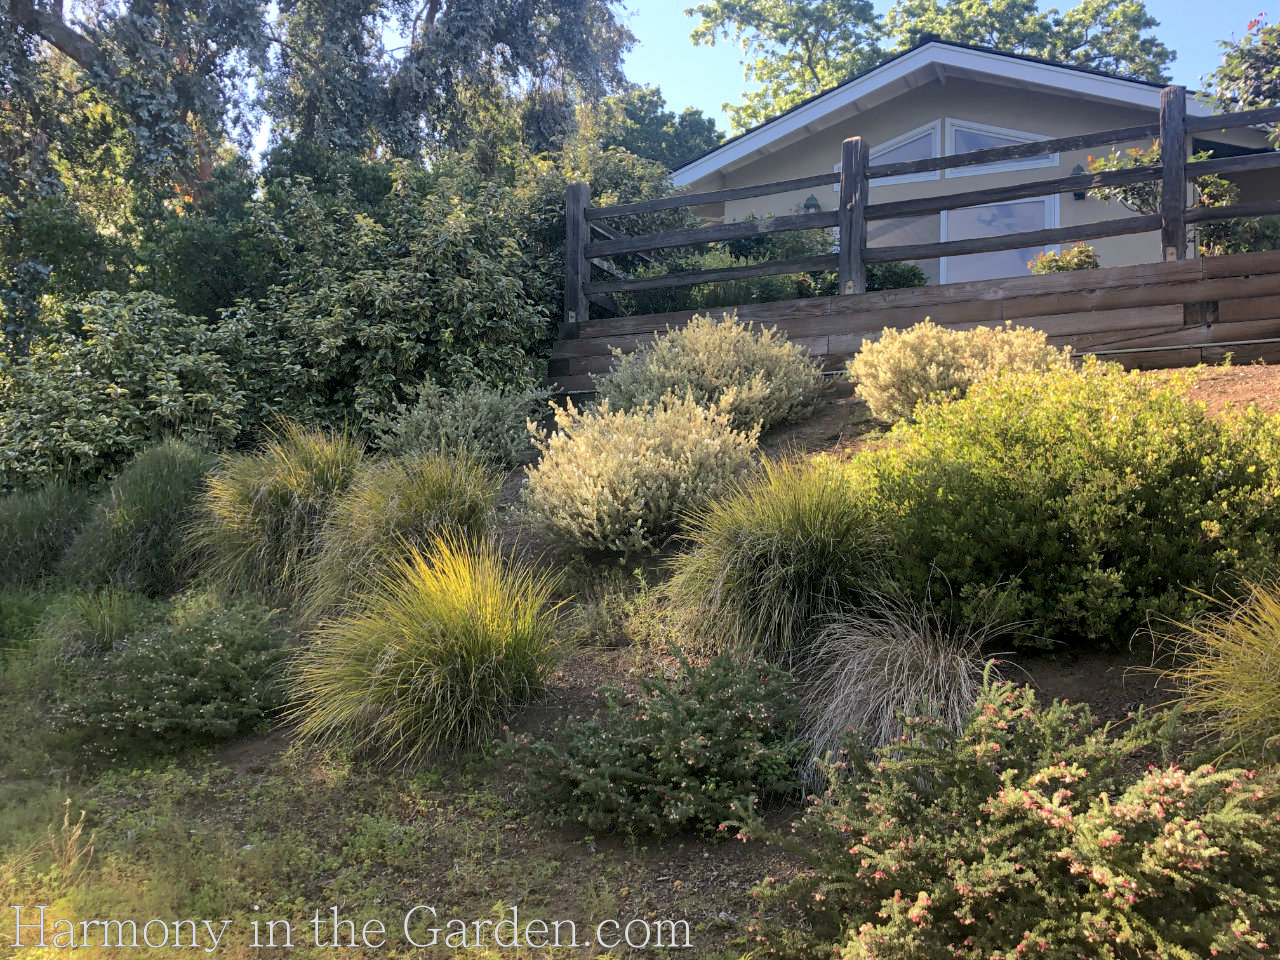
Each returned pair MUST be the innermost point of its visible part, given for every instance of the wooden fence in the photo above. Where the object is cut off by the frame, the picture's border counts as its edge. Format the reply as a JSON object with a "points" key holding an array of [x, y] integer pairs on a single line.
{"points": [[1192, 289]]}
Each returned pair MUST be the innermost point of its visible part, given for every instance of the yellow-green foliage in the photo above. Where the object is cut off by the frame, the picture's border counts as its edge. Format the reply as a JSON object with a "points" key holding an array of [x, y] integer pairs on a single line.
{"points": [[1080, 257], [259, 518], [1228, 670], [620, 482], [755, 375], [392, 507], [776, 556], [929, 362], [449, 644]]}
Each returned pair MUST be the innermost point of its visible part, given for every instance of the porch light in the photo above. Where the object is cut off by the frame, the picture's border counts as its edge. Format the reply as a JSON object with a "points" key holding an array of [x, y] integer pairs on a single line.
{"points": [[811, 204], [1078, 171]]}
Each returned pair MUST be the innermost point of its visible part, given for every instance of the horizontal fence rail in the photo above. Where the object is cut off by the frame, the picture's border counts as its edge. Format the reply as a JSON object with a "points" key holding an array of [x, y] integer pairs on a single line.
{"points": [[852, 254]]}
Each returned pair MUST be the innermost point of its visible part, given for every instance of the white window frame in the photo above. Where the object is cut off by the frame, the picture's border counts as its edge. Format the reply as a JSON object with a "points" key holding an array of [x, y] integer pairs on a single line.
{"points": [[1020, 136], [934, 127], [1051, 215]]}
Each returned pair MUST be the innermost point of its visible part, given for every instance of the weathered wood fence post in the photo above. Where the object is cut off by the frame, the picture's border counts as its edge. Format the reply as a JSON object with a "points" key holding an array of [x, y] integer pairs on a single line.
{"points": [[577, 197], [1173, 159], [851, 217]]}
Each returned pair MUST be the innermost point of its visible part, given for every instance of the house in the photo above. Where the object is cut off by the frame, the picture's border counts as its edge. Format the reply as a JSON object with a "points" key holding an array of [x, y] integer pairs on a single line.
{"points": [[942, 98]]}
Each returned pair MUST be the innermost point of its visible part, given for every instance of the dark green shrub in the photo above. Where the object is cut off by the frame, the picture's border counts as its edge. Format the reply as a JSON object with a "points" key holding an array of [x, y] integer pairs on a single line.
{"points": [[448, 644], [771, 560], [392, 508], [259, 518], [488, 423], [133, 538], [894, 276], [1092, 500], [674, 755], [92, 623], [21, 613], [126, 371], [35, 528], [208, 671], [1033, 832]]}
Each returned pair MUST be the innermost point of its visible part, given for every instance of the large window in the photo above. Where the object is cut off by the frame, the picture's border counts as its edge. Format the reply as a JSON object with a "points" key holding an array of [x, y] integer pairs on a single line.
{"points": [[964, 136], [995, 220]]}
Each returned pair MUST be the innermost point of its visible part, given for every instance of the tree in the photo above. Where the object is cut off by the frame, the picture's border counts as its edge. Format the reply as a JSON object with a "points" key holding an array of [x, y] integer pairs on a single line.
{"points": [[1250, 72], [802, 49], [639, 122]]}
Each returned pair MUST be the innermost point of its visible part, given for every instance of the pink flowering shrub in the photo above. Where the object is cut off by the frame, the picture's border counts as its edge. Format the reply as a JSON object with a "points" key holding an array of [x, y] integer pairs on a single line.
{"points": [[1031, 833], [676, 754]]}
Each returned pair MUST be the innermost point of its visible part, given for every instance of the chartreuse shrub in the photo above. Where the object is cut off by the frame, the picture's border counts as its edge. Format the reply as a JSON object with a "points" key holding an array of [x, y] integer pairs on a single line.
{"points": [[1080, 257], [1227, 668], [35, 528], [1031, 832], [125, 371], [769, 560], [1093, 500], [676, 754], [485, 422], [449, 644], [928, 362], [133, 537], [208, 670], [392, 507], [755, 376], [620, 482], [259, 517]]}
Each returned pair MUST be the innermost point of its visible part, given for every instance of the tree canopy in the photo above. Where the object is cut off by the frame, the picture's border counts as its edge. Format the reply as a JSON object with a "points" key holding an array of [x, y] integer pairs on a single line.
{"points": [[798, 49]]}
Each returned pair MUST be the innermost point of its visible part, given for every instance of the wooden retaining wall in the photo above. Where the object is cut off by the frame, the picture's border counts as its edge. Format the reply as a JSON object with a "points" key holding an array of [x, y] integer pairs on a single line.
{"points": [[1170, 314]]}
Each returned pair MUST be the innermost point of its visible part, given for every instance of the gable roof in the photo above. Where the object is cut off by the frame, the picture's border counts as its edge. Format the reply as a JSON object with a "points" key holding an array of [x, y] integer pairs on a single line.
{"points": [[929, 60]]}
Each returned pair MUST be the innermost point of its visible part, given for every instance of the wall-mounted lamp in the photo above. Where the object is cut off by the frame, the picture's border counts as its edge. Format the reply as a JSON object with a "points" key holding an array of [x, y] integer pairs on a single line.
{"points": [[811, 204], [1078, 171]]}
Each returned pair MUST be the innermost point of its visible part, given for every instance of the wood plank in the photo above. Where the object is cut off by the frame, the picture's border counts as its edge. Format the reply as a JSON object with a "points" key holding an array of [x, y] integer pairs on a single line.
{"points": [[1261, 208], [683, 278], [690, 236], [1241, 164], [1248, 308], [609, 233], [1014, 191], [1019, 151], [1226, 121], [714, 196], [1173, 165], [1013, 241], [855, 157], [577, 198]]}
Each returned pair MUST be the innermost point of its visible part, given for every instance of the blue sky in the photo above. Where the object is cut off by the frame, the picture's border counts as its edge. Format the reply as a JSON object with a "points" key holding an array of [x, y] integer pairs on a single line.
{"points": [[706, 77]]}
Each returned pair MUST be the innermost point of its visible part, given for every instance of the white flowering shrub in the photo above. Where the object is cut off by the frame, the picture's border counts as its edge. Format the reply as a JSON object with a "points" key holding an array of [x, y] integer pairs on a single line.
{"points": [[620, 482], [754, 374], [929, 362]]}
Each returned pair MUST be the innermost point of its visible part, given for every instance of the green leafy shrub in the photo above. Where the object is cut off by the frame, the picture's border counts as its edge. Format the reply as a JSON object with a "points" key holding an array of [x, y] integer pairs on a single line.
{"points": [[1227, 668], [126, 371], [35, 528], [21, 613], [894, 276], [1080, 257], [478, 420], [929, 362], [208, 671], [259, 518], [392, 507], [1030, 833], [674, 755], [133, 537], [451, 642], [754, 376], [772, 558], [620, 482], [1092, 500]]}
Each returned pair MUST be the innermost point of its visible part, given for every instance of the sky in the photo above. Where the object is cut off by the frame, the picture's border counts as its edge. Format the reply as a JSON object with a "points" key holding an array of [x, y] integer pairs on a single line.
{"points": [[706, 77]]}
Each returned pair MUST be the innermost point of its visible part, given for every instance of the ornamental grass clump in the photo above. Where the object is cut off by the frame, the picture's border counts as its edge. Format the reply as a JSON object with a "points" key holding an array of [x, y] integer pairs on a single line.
{"points": [[133, 537], [450, 643], [258, 521], [620, 482], [392, 507], [36, 526], [1032, 832], [754, 375], [677, 754], [1227, 669], [767, 562], [929, 363], [1094, 501]]}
